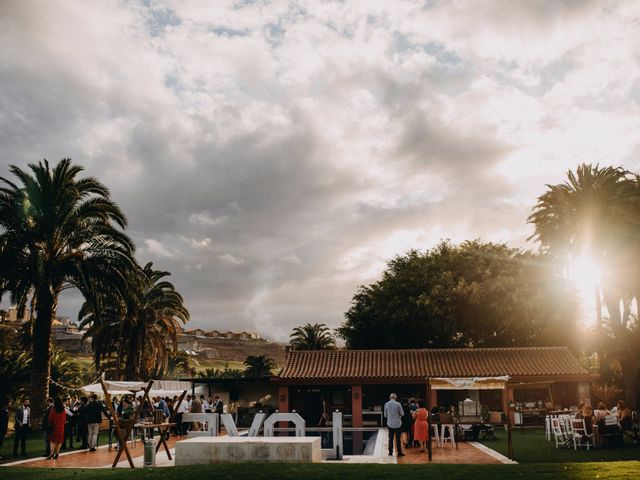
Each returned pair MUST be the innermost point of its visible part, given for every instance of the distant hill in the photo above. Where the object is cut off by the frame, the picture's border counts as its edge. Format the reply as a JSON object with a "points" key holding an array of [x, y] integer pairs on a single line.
{"points": [[230, 349]]}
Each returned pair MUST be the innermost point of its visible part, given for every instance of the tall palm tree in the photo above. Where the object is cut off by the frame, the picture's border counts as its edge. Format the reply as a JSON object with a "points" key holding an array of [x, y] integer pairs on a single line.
{"points": [[596, 213], [140, 328], [57, 231], [257, 366], [312, 337]]}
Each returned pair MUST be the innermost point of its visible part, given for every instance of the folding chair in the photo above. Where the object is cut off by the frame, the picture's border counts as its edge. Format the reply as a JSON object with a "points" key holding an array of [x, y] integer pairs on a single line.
{"points": [[580, 435], [612, 433], [558, 432]]}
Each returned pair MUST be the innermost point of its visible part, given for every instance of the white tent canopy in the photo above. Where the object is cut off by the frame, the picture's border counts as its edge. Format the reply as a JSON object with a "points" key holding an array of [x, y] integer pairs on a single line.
{"points": [[160, 388], [469, 383]]}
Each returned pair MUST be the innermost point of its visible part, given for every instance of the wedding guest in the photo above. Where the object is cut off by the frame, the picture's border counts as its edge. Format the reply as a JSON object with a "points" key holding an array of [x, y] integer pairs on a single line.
{"points": [[21, 427], [57, 421]]}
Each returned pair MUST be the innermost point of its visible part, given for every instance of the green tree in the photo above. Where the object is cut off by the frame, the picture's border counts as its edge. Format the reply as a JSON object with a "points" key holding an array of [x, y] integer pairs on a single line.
{"points": [[469, 295], [595, 215], [257, 366], [57, 231], [139, 328], [312, 337], [66, 373]]}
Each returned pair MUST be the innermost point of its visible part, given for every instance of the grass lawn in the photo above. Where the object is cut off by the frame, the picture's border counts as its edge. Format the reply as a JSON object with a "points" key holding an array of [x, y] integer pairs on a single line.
{"points": [[35, 447], [533, 448], [573, 471]]}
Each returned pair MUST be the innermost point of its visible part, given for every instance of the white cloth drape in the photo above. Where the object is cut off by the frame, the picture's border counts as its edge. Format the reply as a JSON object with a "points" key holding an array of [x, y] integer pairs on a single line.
{"points": [[469, 383]]}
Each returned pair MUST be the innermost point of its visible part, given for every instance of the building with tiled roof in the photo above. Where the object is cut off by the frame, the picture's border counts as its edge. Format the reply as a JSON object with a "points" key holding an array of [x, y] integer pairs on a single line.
{"points": [[398, 366], [360, 381]]}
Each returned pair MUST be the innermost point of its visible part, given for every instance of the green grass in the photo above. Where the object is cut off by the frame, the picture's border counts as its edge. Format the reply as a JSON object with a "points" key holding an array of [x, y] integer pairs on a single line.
{"points": [[572, 471], [35, 447], [531, 447]]}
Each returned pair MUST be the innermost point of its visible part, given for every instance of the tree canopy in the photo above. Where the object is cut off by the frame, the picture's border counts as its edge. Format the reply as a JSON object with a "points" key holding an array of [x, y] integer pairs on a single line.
{"points": [[595, 215], [312, 337], [57, 231], [470, 295]]}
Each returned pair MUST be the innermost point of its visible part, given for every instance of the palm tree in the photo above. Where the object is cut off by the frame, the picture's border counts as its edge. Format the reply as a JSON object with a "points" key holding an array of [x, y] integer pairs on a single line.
{"points": [[140, 328], [65, 371], [312, 337], [259, 366], [596, 214], [179, 363], [57, 231]]}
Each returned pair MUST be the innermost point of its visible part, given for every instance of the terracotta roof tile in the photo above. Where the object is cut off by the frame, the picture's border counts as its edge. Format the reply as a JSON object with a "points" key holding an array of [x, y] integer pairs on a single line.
{"points": [[467, 362]]}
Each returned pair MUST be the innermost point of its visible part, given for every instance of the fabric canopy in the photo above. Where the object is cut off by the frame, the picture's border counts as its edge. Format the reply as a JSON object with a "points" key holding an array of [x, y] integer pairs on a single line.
{"points": [[164, 388], [469, 383]]}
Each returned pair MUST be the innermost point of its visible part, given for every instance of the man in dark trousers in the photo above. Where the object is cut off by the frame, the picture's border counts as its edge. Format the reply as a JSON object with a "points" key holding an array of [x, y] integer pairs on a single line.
{"points": [[393, 413], [82, 423], [45, 427], [68, 426], [23, 421]]}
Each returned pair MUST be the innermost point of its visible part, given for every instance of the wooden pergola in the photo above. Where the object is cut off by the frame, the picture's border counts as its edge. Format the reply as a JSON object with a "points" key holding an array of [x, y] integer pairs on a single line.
{"points": [[477, 383], [123, 428]]}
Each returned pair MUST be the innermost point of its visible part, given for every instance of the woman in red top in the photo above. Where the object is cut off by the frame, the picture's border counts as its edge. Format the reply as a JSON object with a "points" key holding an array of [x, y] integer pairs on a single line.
{"points": [[57, 418], [421, 431]]}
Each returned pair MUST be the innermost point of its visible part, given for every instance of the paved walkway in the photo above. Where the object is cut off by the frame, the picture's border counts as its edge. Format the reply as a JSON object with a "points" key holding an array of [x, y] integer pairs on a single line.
{"points": [[102, 458], [466, 453]]}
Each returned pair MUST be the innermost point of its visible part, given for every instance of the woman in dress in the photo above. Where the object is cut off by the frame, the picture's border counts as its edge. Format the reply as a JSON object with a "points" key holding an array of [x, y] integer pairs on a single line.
{"points": [[421, 426], [56, 420]]}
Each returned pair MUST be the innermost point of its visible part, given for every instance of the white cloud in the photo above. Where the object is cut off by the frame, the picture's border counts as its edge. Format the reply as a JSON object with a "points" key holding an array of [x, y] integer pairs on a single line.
{"points": [[311, 141]]}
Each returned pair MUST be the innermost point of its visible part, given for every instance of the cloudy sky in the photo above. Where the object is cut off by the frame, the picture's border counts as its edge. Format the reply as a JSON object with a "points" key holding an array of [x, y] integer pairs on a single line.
{"points": [[273, 155]]}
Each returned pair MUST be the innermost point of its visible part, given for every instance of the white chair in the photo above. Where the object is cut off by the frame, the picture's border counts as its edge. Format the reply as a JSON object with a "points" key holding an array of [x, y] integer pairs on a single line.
{"points": [[579, 434], [558, 433], [436, 435], [547, 428], [452, 434]]}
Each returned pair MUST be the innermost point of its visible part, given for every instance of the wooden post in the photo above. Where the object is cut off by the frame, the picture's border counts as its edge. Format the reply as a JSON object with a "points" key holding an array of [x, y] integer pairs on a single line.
{"points": [[122, 438], [509, 441], [430, 404], [175, 411]]}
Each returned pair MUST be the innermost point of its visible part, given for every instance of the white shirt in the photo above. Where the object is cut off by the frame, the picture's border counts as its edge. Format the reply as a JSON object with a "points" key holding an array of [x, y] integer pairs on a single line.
{"points": [[183, 407], [25, 416]]}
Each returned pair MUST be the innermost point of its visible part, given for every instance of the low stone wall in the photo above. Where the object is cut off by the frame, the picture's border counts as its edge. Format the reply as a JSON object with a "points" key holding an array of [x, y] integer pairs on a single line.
{"points": [[208, 450]]}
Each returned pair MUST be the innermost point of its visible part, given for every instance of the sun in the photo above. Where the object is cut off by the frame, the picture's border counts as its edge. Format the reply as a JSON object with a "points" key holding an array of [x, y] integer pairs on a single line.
{"points": [[585, 275]]}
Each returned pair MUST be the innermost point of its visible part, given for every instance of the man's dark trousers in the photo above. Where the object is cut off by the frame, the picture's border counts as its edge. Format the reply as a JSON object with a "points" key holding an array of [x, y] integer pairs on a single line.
{"points": [[395, 432], [20, 435]]}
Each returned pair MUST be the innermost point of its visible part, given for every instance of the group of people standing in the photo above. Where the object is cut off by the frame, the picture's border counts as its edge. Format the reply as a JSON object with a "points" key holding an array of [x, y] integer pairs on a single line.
{"points": [[69, 417], [407, 423]]}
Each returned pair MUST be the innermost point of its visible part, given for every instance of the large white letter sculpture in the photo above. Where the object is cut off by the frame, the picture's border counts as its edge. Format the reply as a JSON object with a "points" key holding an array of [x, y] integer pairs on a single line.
{"points": [[296, 419]]}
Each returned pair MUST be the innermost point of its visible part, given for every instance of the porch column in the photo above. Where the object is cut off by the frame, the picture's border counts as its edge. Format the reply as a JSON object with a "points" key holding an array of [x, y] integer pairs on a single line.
{"points": [[356, 405], [507, 397], [356, 417], [433, 398], [283, 398], [283, 406]]}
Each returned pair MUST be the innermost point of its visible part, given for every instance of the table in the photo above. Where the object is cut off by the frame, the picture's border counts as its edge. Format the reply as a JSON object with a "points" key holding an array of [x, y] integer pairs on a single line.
{"points": [[162, 429]]}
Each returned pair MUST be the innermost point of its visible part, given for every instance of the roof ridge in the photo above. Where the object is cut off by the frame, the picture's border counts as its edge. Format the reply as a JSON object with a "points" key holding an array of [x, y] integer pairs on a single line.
{"points": [[445, 349]]}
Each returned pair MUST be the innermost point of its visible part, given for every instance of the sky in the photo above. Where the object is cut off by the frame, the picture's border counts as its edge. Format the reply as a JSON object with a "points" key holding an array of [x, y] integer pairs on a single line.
{"points": [[274, 155]]}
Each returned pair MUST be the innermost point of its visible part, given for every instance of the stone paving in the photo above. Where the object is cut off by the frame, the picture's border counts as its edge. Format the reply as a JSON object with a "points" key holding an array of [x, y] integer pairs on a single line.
{"points": [[466, 453]]}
